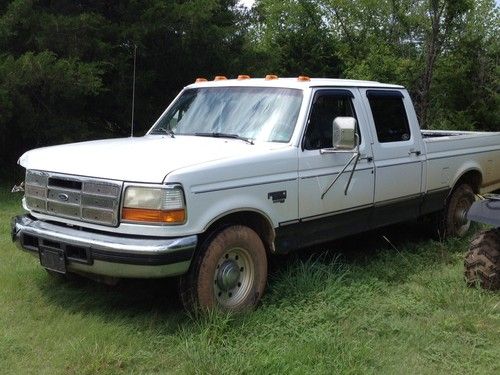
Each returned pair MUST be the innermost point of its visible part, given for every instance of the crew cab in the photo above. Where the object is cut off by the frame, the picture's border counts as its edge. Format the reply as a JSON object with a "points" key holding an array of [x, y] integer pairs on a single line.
{"points": [[236, 170]]}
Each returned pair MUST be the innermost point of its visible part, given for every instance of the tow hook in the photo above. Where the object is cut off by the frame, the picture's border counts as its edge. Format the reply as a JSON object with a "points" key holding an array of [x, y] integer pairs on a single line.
{"points": [[13, 227], [18, 188]]}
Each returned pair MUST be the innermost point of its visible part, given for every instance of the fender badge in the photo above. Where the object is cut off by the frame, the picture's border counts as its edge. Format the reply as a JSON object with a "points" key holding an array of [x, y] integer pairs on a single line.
{"points": [[277, 196]]}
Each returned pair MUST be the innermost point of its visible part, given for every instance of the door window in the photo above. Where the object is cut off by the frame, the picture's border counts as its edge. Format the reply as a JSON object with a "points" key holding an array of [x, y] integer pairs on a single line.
{"points": [[389, 116], [326, 107]]}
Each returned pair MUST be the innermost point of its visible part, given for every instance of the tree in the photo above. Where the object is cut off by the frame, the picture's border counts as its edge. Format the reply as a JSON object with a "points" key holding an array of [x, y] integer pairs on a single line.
{"points": [[465, 90], [66, 66], [294, 39], [441, 19]]}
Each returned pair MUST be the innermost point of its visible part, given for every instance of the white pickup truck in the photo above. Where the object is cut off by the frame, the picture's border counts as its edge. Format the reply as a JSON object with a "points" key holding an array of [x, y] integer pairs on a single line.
{"points": [[237, 170]]}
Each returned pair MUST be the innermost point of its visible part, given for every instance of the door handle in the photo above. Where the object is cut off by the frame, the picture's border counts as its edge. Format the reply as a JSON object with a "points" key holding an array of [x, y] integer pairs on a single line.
{"points": [[413, 151], [368, 158]]}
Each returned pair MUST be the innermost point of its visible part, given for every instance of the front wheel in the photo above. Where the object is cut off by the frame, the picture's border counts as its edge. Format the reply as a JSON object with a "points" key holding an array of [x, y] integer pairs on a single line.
{"points": [[229, 272]]}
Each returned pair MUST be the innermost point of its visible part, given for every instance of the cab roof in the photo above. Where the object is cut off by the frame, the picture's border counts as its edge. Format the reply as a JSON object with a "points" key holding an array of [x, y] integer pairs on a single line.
{"points": [[294, 83]]}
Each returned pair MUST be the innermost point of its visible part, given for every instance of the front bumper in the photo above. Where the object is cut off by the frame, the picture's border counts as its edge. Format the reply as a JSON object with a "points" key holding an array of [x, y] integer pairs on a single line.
{"points": [[96, 253]]}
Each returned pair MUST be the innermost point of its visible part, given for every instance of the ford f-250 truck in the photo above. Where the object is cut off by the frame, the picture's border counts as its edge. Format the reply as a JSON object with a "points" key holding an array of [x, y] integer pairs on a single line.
{"points": [[236, 170]]}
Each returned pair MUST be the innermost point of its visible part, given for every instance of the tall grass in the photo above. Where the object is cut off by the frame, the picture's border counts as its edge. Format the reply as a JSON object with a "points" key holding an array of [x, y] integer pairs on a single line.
{"points": [[359, 305]]}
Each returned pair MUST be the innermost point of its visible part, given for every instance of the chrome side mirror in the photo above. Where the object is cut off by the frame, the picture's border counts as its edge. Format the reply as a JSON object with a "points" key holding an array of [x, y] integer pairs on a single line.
{"points": [[344, 133], [344, 140]]}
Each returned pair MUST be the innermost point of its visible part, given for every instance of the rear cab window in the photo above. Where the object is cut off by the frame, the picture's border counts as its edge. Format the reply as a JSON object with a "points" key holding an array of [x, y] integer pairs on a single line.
{"points": [[389, 116]]}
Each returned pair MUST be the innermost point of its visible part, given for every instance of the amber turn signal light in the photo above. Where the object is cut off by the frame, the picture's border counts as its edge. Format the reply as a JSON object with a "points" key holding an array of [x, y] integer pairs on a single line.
{"points": [[154, 216]]}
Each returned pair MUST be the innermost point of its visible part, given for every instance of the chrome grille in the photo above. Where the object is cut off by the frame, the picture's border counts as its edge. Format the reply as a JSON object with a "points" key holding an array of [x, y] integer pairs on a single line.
{"points": [[78, 198]]}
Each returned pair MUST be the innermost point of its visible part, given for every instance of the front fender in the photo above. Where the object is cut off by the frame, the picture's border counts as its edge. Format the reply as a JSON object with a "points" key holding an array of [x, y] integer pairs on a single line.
{"points": [[211, 206]]}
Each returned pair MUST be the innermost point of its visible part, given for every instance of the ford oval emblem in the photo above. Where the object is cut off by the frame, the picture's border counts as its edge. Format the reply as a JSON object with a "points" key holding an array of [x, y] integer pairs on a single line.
{"points": [[63, 197]]}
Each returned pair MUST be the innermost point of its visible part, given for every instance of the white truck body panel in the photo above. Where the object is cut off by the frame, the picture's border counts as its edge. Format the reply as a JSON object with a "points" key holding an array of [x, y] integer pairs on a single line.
{"points": [[449, 157], [145, 159]]}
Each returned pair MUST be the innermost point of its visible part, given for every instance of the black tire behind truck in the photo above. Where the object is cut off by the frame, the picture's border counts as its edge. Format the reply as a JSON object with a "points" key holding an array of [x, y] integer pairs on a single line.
{"points": [[482, 262]]}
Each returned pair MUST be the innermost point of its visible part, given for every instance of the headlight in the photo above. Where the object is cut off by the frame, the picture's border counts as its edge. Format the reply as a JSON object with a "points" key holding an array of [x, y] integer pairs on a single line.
{"points": [[163, 205]]}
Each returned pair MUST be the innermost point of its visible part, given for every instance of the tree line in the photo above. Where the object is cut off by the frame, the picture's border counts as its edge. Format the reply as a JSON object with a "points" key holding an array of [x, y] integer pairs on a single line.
{"points": [[66, 66]]}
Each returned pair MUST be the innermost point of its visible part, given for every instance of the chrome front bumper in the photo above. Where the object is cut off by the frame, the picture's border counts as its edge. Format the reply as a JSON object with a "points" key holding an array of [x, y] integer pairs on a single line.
{"points": [[96, 253]]}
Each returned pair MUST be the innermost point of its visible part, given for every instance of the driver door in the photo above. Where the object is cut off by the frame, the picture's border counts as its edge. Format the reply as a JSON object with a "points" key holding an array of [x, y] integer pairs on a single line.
{"points": [[338, 213]]}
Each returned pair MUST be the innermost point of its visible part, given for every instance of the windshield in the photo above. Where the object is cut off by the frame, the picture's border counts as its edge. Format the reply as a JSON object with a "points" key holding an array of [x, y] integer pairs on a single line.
{"points": [[254, 113]]}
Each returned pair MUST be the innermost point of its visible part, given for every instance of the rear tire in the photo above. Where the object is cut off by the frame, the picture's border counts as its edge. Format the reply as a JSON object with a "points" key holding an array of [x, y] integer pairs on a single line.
{"points": [[229, 272], [454, 222], [482, 262]]}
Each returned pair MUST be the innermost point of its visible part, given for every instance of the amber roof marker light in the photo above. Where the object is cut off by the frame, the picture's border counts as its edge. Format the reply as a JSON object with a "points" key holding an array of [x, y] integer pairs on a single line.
{"points": [[220, 78], [200, 79], [271, 77], [243, 76], [303, 78]]}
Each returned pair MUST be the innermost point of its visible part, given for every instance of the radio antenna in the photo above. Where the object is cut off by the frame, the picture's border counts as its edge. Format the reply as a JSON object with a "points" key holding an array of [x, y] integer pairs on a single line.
{"points": [[133, 93]]}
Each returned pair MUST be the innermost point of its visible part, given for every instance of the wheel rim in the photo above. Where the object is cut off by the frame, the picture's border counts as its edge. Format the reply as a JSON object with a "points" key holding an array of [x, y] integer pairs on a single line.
{"points": [[233, 277], [462, 224]]}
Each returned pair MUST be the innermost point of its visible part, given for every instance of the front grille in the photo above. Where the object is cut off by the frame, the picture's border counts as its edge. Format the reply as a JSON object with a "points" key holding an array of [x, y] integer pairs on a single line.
{"points": [[78, 198]]}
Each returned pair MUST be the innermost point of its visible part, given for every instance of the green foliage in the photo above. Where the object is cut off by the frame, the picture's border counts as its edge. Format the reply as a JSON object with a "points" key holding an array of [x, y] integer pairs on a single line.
{"points": [[66, 66], [295, 39], [54, 95], [467, 78], [431, 47]]}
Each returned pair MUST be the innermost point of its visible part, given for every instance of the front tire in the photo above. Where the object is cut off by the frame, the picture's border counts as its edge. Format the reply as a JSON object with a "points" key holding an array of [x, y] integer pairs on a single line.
{"points": [[229, 272], [482, 262]]}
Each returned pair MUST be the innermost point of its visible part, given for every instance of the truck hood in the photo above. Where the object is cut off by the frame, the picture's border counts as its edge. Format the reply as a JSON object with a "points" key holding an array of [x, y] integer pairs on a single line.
{"points": [[143, 159]]}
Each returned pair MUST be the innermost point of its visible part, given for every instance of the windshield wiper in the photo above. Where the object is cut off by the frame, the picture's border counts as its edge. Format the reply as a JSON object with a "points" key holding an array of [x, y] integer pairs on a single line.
{"points": [[225, 135], [170, 132]]}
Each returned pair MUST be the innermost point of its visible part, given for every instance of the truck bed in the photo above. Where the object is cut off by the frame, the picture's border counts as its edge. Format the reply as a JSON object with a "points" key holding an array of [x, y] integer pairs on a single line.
{"points": [[455, 150], [439, 141]]}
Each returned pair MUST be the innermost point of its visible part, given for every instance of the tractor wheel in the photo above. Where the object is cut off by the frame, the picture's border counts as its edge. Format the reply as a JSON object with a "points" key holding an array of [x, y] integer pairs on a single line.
{"points": [[482, 263]]}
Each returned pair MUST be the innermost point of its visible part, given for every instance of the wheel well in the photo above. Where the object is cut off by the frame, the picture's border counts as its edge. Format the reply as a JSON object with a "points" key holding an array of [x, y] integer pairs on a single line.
{"points": [[472, 178], [254, 220]]}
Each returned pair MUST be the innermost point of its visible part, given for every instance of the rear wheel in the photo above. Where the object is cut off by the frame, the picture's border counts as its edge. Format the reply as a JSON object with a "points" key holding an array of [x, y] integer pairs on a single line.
{"points": [[482, 262], [454, 222], [229, 272]]}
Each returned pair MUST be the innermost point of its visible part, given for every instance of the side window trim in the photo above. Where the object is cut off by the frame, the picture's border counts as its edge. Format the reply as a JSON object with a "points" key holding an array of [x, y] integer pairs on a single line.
{"points": [[384, 93]]}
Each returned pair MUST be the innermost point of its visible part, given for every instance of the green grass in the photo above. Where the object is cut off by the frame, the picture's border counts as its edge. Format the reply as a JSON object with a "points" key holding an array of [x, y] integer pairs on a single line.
{"points": [[366, 306]]}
